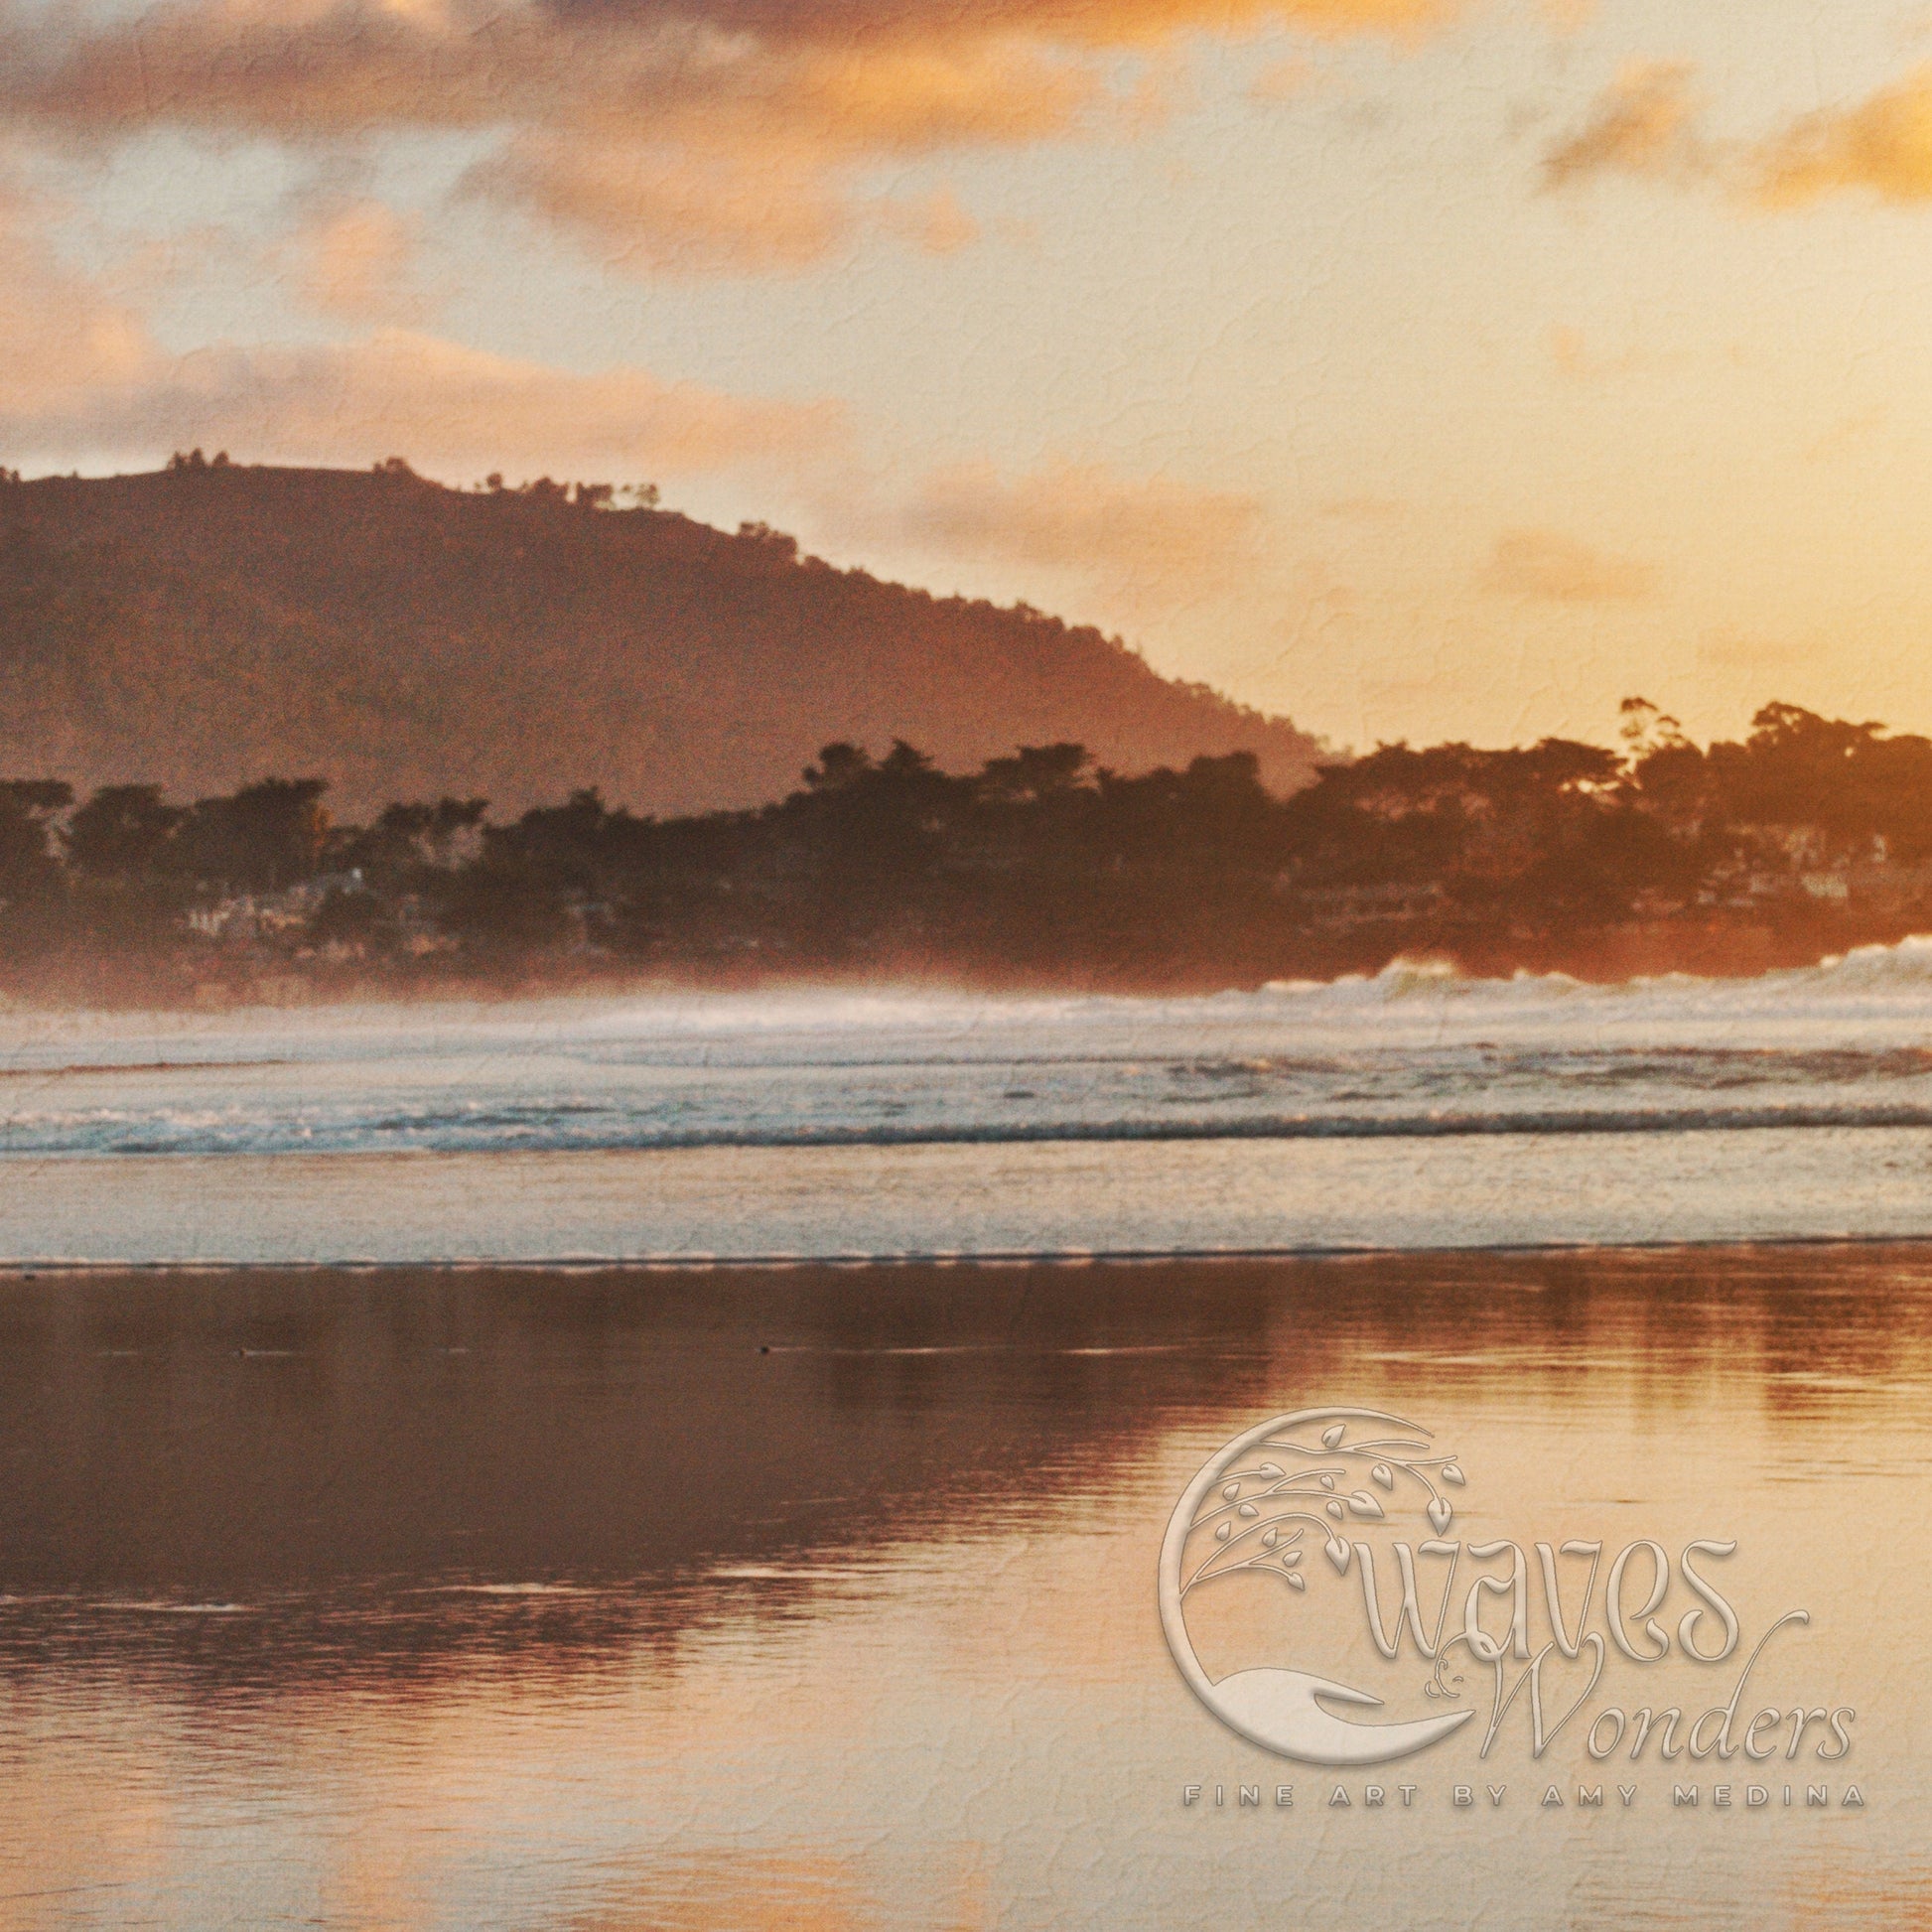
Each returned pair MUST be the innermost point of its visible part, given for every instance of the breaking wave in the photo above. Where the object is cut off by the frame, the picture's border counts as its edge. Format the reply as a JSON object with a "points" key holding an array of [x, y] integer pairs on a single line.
{"points": [[1415, 1050]]}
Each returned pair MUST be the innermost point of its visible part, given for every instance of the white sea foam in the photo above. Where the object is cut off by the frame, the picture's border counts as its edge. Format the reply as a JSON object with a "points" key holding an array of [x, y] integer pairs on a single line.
{"points": [[1414, 1050], [1413, 1056]]}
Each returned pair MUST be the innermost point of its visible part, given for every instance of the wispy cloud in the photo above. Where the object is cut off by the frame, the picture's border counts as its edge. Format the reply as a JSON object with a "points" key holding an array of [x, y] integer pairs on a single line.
{"points": [[354, 260], [1554, 567], [1147, 542], [79, 377], [454, 406], [1880, 146], [61, 335], [1648, 122], [1643, 124], [702, 135], [674, 211]]}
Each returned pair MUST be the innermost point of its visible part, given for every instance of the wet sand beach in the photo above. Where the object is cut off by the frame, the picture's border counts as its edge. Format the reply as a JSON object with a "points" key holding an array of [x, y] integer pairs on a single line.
{"points": [[600, 1598]]}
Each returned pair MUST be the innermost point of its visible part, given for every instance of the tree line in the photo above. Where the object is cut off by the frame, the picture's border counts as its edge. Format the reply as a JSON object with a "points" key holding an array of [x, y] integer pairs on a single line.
{"points": [[1805, 835]]}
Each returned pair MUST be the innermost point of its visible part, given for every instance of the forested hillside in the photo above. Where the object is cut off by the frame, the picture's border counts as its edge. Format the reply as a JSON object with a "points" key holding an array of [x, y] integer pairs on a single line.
{"points": [[203, 626]]}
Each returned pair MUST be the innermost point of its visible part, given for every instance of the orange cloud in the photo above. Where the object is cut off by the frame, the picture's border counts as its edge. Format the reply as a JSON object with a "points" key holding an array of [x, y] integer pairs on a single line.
{"points": [[1547, 565], [1880, 146], [1643, 124], [61, 334], [1148, 542], [663, 208], [709, 209], [713, 135], [456, 408], [353, 260], [1292, 79], [936, 223]]}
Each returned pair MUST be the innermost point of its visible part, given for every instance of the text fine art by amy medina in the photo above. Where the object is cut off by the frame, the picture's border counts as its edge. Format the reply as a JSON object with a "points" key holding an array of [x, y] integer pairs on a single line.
{"points": [[965, 967]]}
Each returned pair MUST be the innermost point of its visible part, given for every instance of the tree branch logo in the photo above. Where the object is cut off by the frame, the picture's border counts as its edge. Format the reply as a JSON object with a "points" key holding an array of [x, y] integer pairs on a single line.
{"points": [[1252, 1507], [1304, 1495]]}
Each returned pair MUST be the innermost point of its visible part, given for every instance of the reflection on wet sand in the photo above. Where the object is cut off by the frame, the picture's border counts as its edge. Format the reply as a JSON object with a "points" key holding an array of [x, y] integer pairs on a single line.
{"points": [[824, 1597]]}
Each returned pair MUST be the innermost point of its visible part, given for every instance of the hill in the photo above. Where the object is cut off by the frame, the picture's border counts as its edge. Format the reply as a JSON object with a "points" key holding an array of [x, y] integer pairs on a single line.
{"points": [[199, 627]]}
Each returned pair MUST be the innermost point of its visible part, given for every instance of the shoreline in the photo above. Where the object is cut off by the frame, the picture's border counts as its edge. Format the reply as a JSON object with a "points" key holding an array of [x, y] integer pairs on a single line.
{"points": [[15, 1269], [989, 1202]]}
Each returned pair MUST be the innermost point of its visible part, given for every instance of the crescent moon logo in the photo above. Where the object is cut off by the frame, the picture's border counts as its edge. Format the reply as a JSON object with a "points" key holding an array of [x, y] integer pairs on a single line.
{"points": [[1252, 1507]]}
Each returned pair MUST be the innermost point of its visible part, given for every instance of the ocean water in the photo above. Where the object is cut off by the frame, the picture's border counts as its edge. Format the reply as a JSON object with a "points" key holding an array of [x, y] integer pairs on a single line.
{"points": [[791, 1592], [1413, 1108]]}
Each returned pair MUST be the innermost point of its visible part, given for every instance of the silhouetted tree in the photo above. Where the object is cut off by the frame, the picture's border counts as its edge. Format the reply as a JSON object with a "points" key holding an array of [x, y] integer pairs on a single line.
{"points": [[125, 832], [261, 839], [410, 843], [501, 907], [1038, 861], [29, 873], [1034, 773], [358, 919]]}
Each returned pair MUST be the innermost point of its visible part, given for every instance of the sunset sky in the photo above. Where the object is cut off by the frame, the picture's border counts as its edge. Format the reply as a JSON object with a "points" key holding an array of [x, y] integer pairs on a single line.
{"points": [[1411, 370]]}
